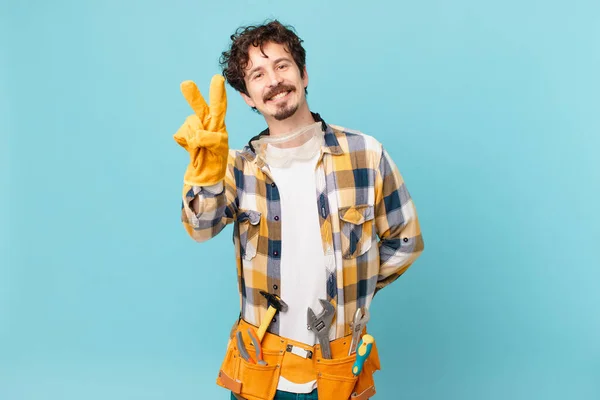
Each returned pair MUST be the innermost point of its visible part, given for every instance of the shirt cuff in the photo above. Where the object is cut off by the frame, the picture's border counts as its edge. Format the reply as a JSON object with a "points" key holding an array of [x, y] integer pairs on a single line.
{"points": [[214, 189]]}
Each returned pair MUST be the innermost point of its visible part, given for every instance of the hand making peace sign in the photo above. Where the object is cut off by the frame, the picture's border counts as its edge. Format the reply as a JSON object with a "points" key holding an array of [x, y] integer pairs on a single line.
{"points": [[204, 135]]}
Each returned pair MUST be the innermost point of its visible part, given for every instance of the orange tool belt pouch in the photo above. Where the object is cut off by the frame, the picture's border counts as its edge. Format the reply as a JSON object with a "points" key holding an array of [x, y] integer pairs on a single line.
{"points": [[297, 363]]}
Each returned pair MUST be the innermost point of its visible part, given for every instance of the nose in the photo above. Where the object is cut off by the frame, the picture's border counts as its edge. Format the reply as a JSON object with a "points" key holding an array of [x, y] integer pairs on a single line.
{"points": [[275, 78]]}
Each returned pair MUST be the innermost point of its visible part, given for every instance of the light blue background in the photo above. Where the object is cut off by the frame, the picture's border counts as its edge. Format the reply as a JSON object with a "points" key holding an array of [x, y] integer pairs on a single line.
{"points": [[490, 109]]}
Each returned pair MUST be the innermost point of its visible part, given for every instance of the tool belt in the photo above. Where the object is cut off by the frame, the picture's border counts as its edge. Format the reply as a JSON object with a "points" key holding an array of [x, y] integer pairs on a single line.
{"points": [[298, 363]]}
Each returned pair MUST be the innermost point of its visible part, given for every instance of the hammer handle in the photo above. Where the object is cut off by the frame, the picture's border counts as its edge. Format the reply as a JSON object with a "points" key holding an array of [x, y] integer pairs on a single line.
{"points": [[262, 329]]}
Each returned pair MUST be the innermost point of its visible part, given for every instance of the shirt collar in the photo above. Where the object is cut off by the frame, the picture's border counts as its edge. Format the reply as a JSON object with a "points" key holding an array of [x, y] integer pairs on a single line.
{"points": [[331, 144]]}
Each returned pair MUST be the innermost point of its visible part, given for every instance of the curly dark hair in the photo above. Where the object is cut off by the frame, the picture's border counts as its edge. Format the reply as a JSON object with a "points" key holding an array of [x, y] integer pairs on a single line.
{"points": [[235, 60]]}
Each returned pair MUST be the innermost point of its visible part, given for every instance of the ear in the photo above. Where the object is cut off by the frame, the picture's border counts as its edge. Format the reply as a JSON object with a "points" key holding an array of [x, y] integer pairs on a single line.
{"points": [[248, 100], [305, 78]]}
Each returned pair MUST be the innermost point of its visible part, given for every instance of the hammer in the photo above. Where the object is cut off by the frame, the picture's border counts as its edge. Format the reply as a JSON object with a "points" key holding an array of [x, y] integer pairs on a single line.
{"points": [[275, 304]]}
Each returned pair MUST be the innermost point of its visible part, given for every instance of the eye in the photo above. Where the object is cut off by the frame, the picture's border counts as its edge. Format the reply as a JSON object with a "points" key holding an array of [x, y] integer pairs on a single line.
{"points": [[282, 66], [256, 76]]}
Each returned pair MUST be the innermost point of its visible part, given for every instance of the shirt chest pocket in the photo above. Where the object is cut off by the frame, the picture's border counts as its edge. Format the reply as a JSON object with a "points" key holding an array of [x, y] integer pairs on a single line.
{"points": [[357, 225], [249, 229]]}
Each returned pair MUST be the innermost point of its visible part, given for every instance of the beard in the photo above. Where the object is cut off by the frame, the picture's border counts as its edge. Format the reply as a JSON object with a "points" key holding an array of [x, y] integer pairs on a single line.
{"points": [[285, 112]]}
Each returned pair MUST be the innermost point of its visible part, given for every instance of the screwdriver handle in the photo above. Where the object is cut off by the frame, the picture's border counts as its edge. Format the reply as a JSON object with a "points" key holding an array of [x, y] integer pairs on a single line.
{"points": [[362, 353]]}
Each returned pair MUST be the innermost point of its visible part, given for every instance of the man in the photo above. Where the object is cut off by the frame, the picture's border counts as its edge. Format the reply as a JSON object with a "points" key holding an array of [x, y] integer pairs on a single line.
{"points": [[309, 201]]}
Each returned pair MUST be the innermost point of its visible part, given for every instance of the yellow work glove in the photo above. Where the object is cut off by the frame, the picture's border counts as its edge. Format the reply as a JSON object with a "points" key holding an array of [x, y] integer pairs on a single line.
{"points": [[203, 134]]}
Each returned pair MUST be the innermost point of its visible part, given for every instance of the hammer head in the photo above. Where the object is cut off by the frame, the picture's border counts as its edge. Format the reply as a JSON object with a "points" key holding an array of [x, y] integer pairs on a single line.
{"points": [[275, 301]]}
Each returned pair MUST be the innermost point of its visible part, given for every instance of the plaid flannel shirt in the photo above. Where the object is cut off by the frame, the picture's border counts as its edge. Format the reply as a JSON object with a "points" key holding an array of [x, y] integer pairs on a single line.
{"points": [[369, 225]]}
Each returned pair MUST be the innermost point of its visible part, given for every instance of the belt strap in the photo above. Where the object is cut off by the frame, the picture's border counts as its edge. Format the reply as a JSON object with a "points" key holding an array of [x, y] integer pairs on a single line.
{"points": [[365, 395], [230, 383]]}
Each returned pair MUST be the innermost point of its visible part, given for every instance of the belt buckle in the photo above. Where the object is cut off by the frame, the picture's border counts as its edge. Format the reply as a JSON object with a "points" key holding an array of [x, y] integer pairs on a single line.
{"points": [[299, 351]]}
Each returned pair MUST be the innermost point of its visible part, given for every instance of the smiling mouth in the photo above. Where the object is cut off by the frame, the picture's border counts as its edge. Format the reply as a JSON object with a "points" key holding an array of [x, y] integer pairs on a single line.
{"points": [[280, 95]]}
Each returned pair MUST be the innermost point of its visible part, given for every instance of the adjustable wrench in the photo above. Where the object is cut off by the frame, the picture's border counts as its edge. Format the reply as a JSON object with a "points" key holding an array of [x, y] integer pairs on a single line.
{"points": [[361, 317], [320, 325]]}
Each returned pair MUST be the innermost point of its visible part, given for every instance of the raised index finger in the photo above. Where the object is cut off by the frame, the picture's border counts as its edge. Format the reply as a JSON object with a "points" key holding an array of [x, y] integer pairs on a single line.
{"points": [[195, 100]]}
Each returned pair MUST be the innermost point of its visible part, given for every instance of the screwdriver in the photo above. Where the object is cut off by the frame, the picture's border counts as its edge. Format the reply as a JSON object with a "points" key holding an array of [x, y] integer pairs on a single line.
{"points": [[362, 352]]}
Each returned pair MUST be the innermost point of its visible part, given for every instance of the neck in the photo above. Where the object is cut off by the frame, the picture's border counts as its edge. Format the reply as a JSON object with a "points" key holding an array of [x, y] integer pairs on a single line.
{"points": [[301, 118]]}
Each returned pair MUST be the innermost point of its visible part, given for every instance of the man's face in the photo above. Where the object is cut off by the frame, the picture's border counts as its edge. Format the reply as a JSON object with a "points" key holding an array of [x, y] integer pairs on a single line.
{"points": [[274, 83]]}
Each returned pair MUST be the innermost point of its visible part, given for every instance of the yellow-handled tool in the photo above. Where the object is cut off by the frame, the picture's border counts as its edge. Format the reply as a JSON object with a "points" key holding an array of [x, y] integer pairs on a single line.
{"points": [[275, 304], [362, 352]]}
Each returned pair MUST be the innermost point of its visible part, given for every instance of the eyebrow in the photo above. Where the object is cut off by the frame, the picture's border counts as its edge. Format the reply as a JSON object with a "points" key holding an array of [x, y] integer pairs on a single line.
{"points": [[277, 61]]}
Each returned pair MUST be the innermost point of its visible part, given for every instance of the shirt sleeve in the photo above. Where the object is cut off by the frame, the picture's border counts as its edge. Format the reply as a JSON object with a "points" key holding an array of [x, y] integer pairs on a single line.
{"points": [[206, 210], [397, 223]]}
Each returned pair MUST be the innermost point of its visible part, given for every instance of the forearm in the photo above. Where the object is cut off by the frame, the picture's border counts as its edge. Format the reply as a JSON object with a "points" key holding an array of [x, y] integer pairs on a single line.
{"points": [[204, 211], [401, 241], [401, 247]]}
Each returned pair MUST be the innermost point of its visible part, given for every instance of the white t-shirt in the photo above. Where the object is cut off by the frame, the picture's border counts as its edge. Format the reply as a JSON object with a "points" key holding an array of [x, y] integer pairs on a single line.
{"points": [[303, 273]]}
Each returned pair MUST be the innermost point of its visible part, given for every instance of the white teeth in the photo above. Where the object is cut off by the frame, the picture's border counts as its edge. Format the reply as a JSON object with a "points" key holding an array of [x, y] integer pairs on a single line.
{"points": [[280, 95]]}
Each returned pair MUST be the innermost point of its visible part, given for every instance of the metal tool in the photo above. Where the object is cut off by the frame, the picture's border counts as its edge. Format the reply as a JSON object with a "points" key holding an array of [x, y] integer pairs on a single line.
{"points": [[361, 317], [320, 325], [362, 353], [242, 348], [275, 304], [257, 347], [244, 352]]}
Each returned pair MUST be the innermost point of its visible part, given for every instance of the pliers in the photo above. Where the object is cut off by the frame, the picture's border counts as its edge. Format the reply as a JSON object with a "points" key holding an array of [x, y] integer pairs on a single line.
{"points": [[257, 348]]}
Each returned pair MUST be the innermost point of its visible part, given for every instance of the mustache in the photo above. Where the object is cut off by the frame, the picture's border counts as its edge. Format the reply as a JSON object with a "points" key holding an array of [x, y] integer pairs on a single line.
{"points": [[278, 89]]}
